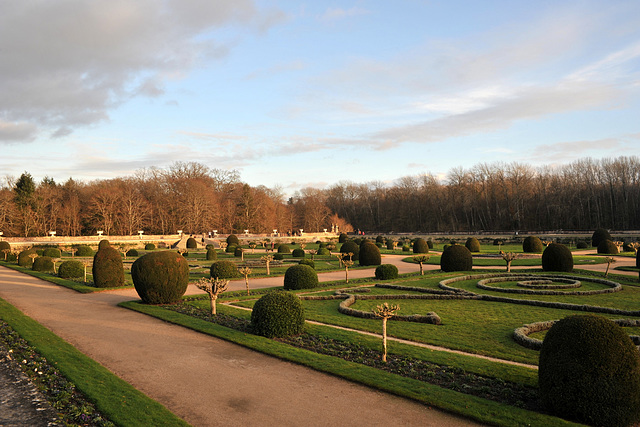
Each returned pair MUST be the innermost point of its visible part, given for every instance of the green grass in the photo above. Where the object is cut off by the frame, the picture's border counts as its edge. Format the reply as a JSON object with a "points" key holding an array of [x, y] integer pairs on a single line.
{"points": [[120, 402]]}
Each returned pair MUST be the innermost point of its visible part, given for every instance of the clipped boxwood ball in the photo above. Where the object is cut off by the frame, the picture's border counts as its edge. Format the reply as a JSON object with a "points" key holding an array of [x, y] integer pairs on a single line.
{"points": [[369, 255], [149, 247], [391, 244], [232, 239], [324, 251], [557, 257], [284, 249], [430, 244], [42, 263], [71, 269], [342, 238], [238, 252], [420, 246], [300, 277], [589, 371], [160, 277], [386, 272], [599, 235], [532, 244], [472, 244], [307, 261], [104, 243], [212, 255], [277, 314], [24, 260], [298, 253], [52, 253], [132, 253], [224, 270], [278, 257], [406, 248], [4, 245], [84, 250], [350, 246], [231, 249], [108, 271], [192, 243], [607, 247], [582, 245], [456, 258]]}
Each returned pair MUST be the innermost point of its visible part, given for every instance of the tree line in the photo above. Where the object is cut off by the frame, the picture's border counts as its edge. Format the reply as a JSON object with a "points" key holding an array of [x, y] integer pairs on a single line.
{"points": [[195, 198]]}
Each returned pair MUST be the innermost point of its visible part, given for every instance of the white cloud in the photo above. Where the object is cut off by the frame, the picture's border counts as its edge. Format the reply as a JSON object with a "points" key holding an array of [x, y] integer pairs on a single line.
{"points": [[336, 13]]}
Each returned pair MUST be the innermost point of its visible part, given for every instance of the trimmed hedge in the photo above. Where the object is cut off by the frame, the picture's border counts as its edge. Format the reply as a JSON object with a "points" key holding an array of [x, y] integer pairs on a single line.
{"points": [[472, 244], [298, 253], [238, 252], [108, 271], [324, 251], [350, 246], [557, 257], [160, 277], [23, 257], [149, 247], [386, 272], [104, 243], [42, 263], [224, 270], [232, 239], [132, 253], [607, 247], [277, 314], [342, 238], [71, 269], [284, 249], [52, 252], [84, 250], [192, 243], [300, 277], [369, 255], [420, 246], [4, 245], [599, 235], [212, 255], [308, 261], [456, 258], [532, 244]]}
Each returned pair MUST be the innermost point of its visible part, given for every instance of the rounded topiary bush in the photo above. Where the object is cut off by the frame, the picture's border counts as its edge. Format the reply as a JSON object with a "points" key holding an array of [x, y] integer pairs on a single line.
{"points": [[627, 247], [5, 245], [160, 277], [386, 272], [278, 257], [232, 239], [238, 252], [224, 270], [324, 251], [589, 371], [299, 253], [406, 248], [42, 263], [390, 244], [192, 243], [108, 271], [599, 235], [532, 244], [607, 247], [350, 246], [132, 253], [103, 244], [456, 258], [307, 261], [24, 260], [84, 250], [300, 277], [277, 314], [420, 246], [342, 238], [212, 255], [284, 249], [380, 239], [557, 257], [231, 249], [52, 252], [71, 269], [430, 244], [582, 245], [149, 247], [472, 244], [369, 255]]}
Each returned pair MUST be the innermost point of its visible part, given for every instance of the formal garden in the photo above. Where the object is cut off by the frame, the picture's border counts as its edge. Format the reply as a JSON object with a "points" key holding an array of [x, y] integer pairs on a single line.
{"points": [[503, 331]]}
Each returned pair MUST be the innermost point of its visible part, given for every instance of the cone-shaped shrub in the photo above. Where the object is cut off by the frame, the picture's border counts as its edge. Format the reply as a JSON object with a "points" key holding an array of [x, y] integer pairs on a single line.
{"points": [[224, 270], [232, 239], [350, 246], [472, 244], [386, 272], [24, 260], [300, 277], [420, 246], [149, 247], [557, 257], [52, 253], [607, 247], [160, 277], [42, 263], [298, 253], [84, 250], [589, 371], [192, 243], [212, 255], [104, 243], [284, 249], [277, 314], [307, 261], [456, 258], [71, 269], [599, 235], [108, 271], [532, 244], [369, 255], [342, 238]]}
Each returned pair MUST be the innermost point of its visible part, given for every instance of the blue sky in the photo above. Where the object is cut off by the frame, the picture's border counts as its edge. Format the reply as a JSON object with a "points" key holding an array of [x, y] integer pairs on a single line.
{"points": [[295, 94]]}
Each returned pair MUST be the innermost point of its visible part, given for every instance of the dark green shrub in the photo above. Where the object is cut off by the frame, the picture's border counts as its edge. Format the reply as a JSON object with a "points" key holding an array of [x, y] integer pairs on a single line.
{"points": [[160, 277], [284, 249], [599, 235], [322, 245], [420, 246], [497, 242], [380, 239], [456, 258], [40, 251], [557, 257], [277, 314], [224, 270], [406, 248], [5, 245], [185, 254], [108, 271], [149, 247], [42, 263], [390, 244], [430, 244], [192, 243], [232, 239], [342, 238], [582, 245], [212, 255], [132, 252], [298, 253], [324, 251], [472, 244], [104, 243], [607, 247], [307, 261], [300, 277], [24, 260], [369, 255], [52, 252], [238, 252], [627, 248], [12, 257], [71, 269], [379, 245], [84, 250], [276, 246], [209, 246], [532, 244], [278, 257], [350, 246], [386, 272], [231, 249], [589, 371]]}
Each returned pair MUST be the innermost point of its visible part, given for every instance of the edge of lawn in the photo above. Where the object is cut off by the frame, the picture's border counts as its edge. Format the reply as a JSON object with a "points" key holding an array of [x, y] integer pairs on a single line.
{"points": [[476, 408], [118, 400]]}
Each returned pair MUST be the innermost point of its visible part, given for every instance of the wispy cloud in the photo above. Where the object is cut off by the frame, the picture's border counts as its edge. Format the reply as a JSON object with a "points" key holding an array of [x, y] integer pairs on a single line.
{"points": [[336, 13]]}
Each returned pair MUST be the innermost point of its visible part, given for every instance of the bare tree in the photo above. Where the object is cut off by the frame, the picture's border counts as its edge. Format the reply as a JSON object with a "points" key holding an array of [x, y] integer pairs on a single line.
{"points": [[385, 311], [213, 287]]}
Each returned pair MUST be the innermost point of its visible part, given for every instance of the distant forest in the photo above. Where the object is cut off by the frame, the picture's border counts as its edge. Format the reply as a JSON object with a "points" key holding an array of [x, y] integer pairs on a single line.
{"points": [[195, 198]]}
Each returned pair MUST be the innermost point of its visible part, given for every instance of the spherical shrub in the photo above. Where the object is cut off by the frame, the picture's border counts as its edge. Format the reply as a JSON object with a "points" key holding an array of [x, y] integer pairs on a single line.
{"points": [[300, 277], [84, 250], [599, 235], [103, 244], [149, 247], [532, 244], [430, 243], [52, 252], [238, 252], [132, 252], [557, 257], [582, 245], [342, 238], [380, 239], [420, 246], [390, 244], [307, 261], [277, 314], [472, 244], [108, 271], [232, 239], [278, 257], [589, 371], [24, 260], [627, 248], [299, 253], [212, 255], [406, 248], [369, 255], [224, 270], [607, 247], [386, 272], [456, 258], [324, 251], [42, 263], [160, 277], [192, 243], [231, 249], [71, 269], [5, 245], [350, 246], [284, 249]]}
